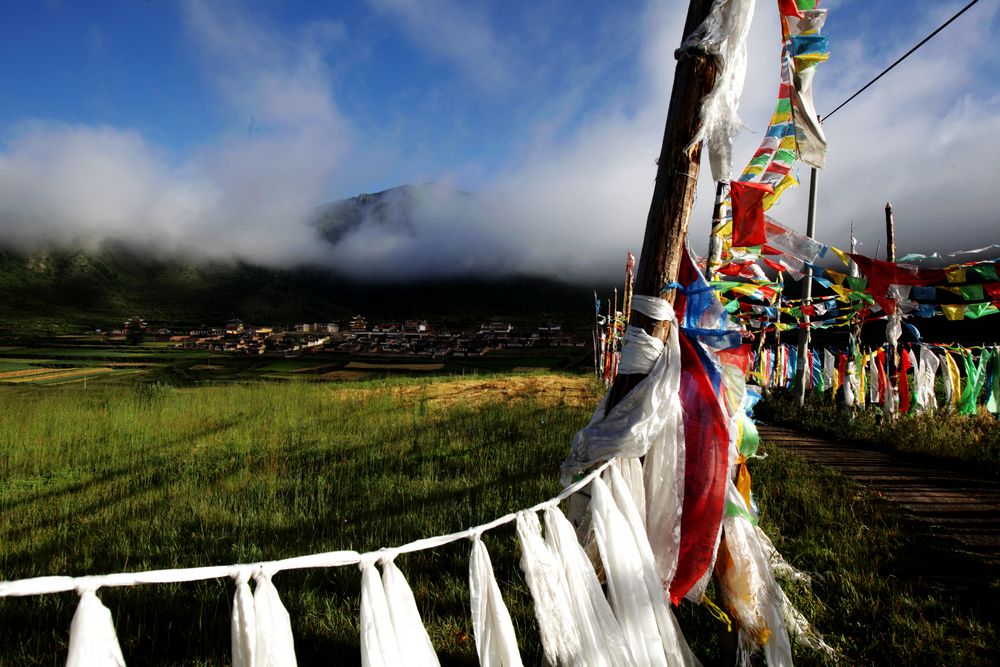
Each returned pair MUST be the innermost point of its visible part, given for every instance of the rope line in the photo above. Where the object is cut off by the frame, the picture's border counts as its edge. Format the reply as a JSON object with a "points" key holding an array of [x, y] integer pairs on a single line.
{"points": [[901, 59], [61, 584]]}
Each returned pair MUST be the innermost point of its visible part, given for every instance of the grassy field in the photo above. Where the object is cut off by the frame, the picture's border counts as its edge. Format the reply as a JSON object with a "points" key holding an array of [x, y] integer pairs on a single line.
{"points": [[140, 476]]}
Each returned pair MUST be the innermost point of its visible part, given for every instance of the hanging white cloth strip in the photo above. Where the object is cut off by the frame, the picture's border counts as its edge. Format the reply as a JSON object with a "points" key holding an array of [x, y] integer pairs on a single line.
{"points": [[946, 377], [275, 646], [492, 627], [926, 399], [92, 638], [798, 626], [624, 575], [243, 625], [873, 396], [724, 35], [675, 647], [829, 369], [556, 626], [601, 638], [261, 627], [411, 635], [630, 471], [379, 645]]}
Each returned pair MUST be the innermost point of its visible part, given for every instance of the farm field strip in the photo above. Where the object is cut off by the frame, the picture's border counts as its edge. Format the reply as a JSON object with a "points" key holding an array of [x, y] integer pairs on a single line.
{"points": [[25, 372], [50, 375], [114, 374], [364, 365]]}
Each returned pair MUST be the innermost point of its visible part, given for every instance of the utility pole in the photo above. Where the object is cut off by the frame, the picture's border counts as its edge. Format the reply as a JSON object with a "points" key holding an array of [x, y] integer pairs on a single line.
{"points": [[805, 333], [674, 190]]}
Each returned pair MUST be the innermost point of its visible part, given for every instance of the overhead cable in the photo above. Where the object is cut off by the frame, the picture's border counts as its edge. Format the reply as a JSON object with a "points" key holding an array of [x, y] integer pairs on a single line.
{"points": [[901, 58]]}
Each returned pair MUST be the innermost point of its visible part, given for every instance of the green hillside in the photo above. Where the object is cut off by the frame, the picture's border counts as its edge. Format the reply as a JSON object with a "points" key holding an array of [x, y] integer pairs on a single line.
{"points": [[63, 291]]}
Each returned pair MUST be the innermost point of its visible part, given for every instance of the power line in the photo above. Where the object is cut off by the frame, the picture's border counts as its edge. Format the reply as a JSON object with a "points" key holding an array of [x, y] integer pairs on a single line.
{"points": [[902, 58]]}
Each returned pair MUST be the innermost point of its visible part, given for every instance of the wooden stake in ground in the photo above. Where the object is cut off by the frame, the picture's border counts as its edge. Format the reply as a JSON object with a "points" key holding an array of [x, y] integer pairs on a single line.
{"points": [[674, 191]]}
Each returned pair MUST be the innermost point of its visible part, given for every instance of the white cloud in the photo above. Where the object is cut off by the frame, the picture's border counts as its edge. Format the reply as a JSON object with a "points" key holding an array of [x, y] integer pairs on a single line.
{"points": [[457, 33], [248, 193]]}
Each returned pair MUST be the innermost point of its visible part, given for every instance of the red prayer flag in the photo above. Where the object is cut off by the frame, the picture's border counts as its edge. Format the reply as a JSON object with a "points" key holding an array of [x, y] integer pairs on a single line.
{"points": [[881, 274], [771, 264], [706, 465], [992, 290], [789, 8], [882, 382], [888, 305], [748, 212], [904, 383]]}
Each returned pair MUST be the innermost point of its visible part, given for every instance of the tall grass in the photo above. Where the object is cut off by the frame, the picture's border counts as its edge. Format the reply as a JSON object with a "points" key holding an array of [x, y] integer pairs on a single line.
{"points": [[138, 477]]}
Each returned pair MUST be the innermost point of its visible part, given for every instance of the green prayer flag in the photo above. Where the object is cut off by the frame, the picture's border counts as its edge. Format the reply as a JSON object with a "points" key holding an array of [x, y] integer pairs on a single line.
{"points": [[987, 271], [751, 438], [972, 292], [977, 310], [857, 284]]}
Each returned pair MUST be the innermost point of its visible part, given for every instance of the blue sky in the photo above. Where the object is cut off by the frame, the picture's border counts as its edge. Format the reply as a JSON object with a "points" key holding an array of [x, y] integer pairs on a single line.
{"points": [[215, 127]]}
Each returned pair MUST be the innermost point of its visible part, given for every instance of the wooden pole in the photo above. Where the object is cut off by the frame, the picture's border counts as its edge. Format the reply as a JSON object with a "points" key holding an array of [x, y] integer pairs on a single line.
{"points": [[712, 261], [890, 233], [674, 189]]}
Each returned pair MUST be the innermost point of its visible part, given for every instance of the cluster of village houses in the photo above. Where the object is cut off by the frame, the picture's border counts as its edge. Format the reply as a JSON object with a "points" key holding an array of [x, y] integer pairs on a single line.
{"points": [[411, 338]]}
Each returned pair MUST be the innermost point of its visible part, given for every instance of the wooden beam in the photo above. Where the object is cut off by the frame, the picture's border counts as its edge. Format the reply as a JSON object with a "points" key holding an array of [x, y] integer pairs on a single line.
{"points": [[676, 183]]}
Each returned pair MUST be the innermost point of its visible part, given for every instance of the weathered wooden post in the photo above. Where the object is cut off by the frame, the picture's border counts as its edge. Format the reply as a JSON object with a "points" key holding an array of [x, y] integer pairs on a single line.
{"points": [[671, 205], [674, 190]]}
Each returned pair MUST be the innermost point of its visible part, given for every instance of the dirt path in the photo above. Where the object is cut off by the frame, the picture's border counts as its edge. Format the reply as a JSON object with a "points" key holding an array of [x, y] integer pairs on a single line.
{"points": [[953, 504]]}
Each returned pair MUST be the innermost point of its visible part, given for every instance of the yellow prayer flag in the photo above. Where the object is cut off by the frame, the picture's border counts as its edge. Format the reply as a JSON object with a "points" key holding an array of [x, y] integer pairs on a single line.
{"points": [[785, 183], [953, 311], [843, 258], [781, 117], [955, 274], [955, 378]]}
